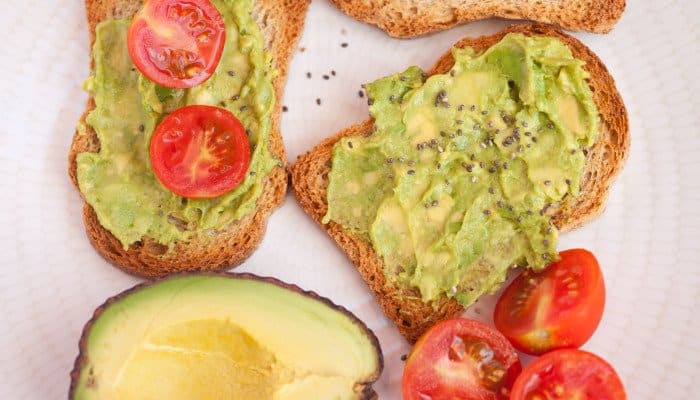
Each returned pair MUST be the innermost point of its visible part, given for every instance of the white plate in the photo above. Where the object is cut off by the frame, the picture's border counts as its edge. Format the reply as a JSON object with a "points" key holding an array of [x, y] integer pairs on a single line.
{"points": [[647, 240]]}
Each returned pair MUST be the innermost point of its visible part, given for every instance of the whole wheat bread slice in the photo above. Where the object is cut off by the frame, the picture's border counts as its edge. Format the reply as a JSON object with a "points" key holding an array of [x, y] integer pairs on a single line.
{"points": [[604, 160], [409, 18], [281, 22]]}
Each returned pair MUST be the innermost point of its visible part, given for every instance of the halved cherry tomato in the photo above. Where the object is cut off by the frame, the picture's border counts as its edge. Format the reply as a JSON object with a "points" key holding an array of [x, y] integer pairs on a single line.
{"points": [[200, 151], [460, 359], [177, 43], [568, 374], [558, 308]]}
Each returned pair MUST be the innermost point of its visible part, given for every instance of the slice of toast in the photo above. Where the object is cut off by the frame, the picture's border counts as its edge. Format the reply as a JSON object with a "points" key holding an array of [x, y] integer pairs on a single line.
{"points": [[403, 19], [604, 160], [281, 23]]}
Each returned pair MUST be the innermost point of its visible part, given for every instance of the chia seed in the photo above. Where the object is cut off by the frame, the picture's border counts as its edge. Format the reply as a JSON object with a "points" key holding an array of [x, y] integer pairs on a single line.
{"points": [[411, 172]]}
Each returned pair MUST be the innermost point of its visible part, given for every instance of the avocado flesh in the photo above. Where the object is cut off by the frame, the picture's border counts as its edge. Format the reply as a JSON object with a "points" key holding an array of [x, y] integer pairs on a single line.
{"points": [[453, 185], [216, 337], [118, 181]]}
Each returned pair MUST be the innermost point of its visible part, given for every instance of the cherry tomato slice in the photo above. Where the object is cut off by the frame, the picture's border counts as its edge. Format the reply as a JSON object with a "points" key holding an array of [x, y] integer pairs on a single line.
{"points": [[568, 374], [177, 43], [200, 151], [460, 359], [557, 308]]}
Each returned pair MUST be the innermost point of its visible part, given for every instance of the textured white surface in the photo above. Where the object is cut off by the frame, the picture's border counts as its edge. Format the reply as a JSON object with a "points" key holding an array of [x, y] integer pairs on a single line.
{"points": [[647, 241]]}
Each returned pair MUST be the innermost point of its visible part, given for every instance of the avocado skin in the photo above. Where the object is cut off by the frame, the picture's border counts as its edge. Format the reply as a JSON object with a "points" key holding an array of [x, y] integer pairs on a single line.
{"points": [[367, 392]]}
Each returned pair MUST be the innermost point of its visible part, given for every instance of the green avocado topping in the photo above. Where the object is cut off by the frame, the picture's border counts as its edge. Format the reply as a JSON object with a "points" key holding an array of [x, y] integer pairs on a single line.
{"points": [[453, 185], [118, 181]]}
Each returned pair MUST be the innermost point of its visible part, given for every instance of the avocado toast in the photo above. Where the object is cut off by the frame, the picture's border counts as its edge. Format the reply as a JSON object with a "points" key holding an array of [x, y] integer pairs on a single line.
{"points": [[184, 248], [404, 19], [603, 160]]}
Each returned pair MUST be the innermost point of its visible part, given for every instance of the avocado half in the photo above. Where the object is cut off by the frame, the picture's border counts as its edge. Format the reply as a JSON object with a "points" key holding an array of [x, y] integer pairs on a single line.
{"points": [[224, 336]]}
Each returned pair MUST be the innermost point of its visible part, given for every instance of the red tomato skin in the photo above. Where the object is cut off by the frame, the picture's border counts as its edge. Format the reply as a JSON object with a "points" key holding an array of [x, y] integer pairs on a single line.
{"points": [[145, 39], [570, 320], [421, 373], [171, 164], [567, 373]]}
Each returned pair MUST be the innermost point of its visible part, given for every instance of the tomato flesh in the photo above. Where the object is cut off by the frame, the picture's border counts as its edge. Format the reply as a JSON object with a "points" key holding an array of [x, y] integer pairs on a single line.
{"points": [[558, 308], [200, 151], [568, 374], [177, 43], [460, 359]]}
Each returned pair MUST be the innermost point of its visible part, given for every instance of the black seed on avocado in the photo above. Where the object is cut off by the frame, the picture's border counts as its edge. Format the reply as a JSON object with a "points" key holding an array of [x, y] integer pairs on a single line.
{"points": [[235, 97], [411, 163], [350, 144], [390, 160], [461, 107], [231, 73], [472, 108], [411, 172], [243, 108], [568, 181], [142, 128], [222, 104], [487, 212], [550, 125]]}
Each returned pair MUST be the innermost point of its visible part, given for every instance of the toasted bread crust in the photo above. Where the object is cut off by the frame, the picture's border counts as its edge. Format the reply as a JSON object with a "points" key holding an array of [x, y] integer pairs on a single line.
{"points": [[404, 19], [604, 160], [281, 22]]}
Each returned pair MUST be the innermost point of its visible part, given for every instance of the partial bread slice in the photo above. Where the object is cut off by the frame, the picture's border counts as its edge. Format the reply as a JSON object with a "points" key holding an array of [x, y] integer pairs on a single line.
{"points": [[281, 23], [604, 161], [409, 18]]}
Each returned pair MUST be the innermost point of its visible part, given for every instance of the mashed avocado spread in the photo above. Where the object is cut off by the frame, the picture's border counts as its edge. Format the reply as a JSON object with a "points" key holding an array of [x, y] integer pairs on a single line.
{"points": [[453, 185], [118, 181]]}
